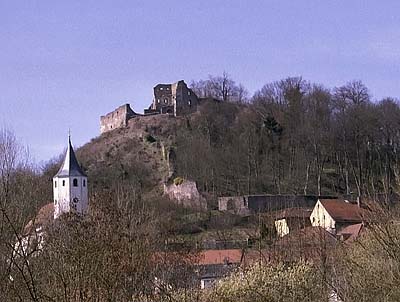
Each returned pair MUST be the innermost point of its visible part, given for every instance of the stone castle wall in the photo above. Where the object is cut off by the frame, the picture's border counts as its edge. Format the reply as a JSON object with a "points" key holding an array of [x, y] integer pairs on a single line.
{"points": [[173, 99], [117, 118], [176, 99]]}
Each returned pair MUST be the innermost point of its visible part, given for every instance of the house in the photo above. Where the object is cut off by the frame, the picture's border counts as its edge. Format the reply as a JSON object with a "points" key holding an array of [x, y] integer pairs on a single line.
{"points": [[213, 265], [335, 214], [291, 219]]}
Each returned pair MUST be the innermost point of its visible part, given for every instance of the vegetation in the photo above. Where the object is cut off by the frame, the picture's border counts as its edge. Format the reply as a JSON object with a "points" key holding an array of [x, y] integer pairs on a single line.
{"points": [[290, 137]]}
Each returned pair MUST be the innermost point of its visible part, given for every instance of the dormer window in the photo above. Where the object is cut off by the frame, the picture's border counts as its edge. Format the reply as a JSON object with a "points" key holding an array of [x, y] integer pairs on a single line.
{"points": [[75, 182]]}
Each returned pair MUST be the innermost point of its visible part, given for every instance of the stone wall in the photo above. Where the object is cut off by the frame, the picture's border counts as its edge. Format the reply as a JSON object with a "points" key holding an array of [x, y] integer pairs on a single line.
{"points": [[233, 204], [117, 118], [175, 99]]}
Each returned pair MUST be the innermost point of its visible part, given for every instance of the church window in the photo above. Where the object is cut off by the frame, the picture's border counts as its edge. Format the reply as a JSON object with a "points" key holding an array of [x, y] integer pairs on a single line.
{"points": [[75, 182], [63, 183], [84, 183]]}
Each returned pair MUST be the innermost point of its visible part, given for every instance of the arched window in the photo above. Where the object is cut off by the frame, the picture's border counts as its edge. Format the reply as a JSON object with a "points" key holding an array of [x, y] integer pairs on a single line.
{"points": [[75, 182], [84, 182], [63, 183]]}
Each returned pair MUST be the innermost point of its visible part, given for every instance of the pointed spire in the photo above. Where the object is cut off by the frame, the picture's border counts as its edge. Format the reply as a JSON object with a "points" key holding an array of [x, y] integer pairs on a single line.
{"points": [[70, 166]]}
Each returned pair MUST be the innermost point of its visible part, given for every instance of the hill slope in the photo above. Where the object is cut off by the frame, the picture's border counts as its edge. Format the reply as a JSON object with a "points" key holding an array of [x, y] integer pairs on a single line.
{"points": [[137, 153]]}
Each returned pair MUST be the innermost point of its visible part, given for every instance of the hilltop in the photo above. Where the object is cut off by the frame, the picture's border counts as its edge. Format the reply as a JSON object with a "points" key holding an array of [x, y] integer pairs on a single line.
{"points": [[138, 153]]}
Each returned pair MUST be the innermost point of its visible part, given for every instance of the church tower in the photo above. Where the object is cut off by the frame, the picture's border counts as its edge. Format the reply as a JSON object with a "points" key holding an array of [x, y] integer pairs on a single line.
{"points": [[70, 186]]}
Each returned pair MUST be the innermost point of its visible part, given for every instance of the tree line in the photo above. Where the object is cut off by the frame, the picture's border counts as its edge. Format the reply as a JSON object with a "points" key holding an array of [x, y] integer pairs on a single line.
{"points": [[291, 137]]}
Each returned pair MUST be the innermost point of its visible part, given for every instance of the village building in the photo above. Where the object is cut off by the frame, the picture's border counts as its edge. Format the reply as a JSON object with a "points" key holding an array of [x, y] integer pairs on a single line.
{"points": [[213, 265], [251, 204], [289, 220], [335, 214], [70, 186], [70, 196]]}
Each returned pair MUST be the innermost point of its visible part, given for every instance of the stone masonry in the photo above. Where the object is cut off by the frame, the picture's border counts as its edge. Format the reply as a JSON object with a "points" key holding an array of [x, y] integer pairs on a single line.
{"points": [[117, 118], [175, 99]]}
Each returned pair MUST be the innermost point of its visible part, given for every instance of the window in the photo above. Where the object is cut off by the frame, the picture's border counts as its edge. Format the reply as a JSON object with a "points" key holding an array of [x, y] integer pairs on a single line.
{"points": [[55, 201], [63, 183], [161, 88], [190, 103], [165, 101], [84, 182], [188, 92], [158, 101], [55, 184], [75, 182]]}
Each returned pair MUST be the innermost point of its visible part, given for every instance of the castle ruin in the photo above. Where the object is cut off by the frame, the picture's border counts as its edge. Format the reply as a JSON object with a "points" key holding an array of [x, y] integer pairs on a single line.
{"points": [[173, 99], [117, 118]]}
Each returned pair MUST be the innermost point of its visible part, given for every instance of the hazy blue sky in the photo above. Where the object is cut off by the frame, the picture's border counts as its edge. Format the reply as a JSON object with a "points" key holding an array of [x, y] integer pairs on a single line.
{"points": [[64, 63]]}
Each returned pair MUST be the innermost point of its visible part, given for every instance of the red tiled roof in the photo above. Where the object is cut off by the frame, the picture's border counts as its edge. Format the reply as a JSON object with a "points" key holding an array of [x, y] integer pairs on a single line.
{"points": [[208, 257], [342, 211], [350, 232]]}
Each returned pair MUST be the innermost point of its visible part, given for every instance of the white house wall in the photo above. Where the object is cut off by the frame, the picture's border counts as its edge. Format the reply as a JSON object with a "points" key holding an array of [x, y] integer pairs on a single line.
{"points": [[281, 227], [320, 217]]}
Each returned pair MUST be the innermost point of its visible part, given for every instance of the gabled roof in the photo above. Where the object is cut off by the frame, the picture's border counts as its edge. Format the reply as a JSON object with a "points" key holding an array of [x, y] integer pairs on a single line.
{"points": [[70, 166], [342, 211]]}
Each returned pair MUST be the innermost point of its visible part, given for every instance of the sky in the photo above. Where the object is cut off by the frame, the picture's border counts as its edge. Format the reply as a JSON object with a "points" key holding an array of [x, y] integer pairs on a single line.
{"points": [[63, 64]]}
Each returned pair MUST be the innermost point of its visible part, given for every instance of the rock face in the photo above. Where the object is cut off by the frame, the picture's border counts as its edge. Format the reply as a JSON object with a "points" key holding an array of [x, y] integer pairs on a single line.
{"points": [[186, 194]]}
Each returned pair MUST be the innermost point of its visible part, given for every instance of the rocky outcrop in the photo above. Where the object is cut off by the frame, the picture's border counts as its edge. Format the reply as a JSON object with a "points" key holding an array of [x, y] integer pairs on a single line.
{"points": [[186, 194]]}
